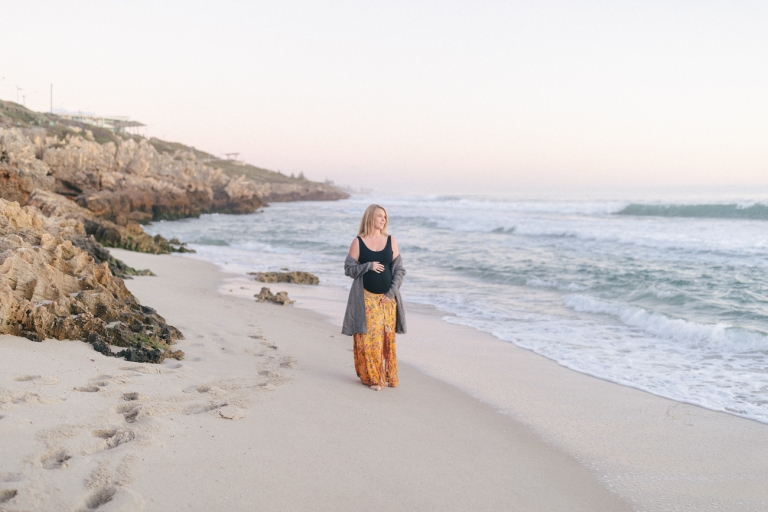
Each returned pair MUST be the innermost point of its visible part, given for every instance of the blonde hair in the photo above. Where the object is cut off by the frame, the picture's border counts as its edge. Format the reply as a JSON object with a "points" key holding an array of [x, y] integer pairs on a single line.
{"points": [[366, 223]]}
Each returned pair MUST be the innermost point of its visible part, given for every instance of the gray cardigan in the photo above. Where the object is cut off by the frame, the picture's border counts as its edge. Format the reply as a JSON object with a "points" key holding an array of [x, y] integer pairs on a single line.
{"points": [[354, 317]]}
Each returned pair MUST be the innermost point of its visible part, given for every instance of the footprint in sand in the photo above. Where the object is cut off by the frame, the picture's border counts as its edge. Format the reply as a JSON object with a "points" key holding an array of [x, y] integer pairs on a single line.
{"points": [[7, 495], [204, 388], [130, 397], [269, 345], [199, 409], [56, 459], [98, 498], [25, 378], [230, 412], [95, 384], [87, 389], [140, 369], [287, 362], [11, 477], [115, 437], [51, 380], [33, 398], [256, 336], [129, 411], [117, 498], [101, 380]]}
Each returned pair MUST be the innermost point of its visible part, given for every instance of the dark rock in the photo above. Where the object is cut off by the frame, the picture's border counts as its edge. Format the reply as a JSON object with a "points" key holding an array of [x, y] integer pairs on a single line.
{"points": [[142, 355], [177, 246], [265, 295]]}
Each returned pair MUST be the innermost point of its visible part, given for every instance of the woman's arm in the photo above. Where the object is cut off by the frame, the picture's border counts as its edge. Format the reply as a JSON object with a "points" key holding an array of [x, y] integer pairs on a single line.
{"points": [[354, 268], [354, 249], [395, 250]]}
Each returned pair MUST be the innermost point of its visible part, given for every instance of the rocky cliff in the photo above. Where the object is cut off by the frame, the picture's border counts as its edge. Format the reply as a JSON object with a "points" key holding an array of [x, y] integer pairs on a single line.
{"points": [[21, 171], [69, 190], [131, 181], [126, 179], [49, 288]]}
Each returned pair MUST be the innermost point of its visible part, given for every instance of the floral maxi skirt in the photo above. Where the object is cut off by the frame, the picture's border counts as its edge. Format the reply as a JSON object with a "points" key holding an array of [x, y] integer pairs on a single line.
{"points": [[375, 355]]}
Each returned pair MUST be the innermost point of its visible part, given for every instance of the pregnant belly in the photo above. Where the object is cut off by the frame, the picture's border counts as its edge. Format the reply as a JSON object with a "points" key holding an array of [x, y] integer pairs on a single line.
{"points": [[377, 282]]}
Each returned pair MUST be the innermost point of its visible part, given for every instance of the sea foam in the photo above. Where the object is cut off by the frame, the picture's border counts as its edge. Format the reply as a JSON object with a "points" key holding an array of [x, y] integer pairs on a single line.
{"points": [[671, 304], [719, 336]]}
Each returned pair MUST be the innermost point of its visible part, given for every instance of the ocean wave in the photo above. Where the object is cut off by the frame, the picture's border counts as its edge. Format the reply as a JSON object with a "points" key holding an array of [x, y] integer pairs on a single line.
{"points": [[541, 283], [753, 211], [203, 240], [465, 204], [720, 336]]}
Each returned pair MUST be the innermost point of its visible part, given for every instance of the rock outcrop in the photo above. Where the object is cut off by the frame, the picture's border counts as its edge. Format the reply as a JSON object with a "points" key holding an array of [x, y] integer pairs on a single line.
{"points": [[295, 277], [131, 181], [265, 295], [298, 191], [21, 171], [49, 288], [129, 236]]}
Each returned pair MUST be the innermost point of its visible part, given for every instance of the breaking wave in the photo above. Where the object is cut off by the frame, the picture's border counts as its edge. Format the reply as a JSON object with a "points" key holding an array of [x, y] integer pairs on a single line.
{"points": [[754, 211]]}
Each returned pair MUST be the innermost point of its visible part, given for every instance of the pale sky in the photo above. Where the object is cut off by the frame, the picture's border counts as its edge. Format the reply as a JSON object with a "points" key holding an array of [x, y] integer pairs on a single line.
{"points": [[450, 96]]}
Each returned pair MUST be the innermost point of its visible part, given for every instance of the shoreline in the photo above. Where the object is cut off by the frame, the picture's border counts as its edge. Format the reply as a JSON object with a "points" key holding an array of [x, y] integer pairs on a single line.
{"points": [[265, 412], [705, 457]]}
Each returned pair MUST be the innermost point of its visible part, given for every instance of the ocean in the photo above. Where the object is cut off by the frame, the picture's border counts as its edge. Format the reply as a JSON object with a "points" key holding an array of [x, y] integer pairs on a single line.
{"points": [[670, 297]]}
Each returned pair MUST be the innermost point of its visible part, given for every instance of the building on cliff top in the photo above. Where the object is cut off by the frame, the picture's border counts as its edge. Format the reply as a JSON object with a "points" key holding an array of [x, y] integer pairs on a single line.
{"points": [[117, 124]]}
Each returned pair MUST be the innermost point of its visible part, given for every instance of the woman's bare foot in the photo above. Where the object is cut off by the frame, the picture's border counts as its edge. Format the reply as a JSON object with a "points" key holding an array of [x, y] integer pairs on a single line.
{"points": [[376, 387]]}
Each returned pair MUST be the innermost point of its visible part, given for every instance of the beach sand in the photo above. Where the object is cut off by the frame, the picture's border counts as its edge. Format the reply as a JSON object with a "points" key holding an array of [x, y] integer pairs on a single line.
{"points": [[265, 413]]}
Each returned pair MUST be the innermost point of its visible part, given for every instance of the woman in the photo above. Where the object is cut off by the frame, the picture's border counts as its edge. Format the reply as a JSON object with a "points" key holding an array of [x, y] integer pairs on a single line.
{"points": [[374, 309]]}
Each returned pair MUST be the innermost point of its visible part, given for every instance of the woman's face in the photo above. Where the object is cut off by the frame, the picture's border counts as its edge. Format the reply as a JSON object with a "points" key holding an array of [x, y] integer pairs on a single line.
{"points": [[379, 219]]}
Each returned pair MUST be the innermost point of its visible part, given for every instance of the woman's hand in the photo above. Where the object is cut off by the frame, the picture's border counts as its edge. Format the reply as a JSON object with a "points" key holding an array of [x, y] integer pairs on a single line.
{"points": [[378, 267]]}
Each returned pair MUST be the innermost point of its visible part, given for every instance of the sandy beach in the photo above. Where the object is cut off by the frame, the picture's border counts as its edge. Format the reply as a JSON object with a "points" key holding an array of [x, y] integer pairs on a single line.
{"points": [[265, 413], [578, 191]]}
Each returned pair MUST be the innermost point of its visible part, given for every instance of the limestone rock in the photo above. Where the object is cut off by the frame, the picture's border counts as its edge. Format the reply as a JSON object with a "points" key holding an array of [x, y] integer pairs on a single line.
{"points": [[131, 181], [129, 236], [265, 295], [21, 171], [68, 220], [49, 288], [126, 178], [299, 191], [295, 277]]}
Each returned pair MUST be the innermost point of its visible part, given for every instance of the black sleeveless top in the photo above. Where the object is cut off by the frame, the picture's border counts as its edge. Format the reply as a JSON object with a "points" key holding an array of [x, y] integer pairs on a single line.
{"points": [[376, 282]]}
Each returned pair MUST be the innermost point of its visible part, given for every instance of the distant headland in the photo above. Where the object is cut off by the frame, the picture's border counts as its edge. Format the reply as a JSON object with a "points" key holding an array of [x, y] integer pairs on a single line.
{"points": [[84, 186]]}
